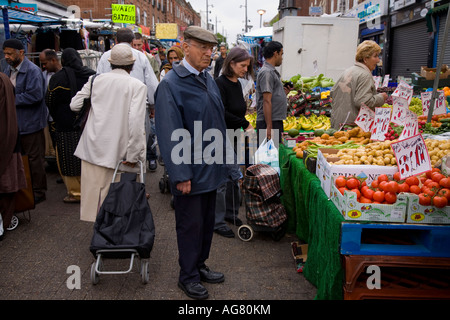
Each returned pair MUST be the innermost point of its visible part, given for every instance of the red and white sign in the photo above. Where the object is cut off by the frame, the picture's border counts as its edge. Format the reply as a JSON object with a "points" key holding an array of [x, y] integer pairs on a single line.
{"points": [[411, 127], [412, 156], [399, 108], [404, 91], [381, 124], [439, 108], [365, 118]]}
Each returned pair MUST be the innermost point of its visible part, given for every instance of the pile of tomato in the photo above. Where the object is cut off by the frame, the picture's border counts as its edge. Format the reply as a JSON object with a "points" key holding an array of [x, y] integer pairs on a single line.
{"points": [[433, 188]]}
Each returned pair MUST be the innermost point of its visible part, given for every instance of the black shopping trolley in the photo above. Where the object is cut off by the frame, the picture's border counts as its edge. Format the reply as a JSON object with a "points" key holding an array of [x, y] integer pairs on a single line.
{"points": [[124, 226], [263, 207]]}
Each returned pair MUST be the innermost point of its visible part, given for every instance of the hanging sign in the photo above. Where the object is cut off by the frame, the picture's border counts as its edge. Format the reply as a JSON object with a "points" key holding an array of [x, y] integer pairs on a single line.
{"points": [[386, 81], [440, 107], [404, 91], [381, 124], [123, 13], [399, 108], [412, 156], [411, 127], [365, 118]]}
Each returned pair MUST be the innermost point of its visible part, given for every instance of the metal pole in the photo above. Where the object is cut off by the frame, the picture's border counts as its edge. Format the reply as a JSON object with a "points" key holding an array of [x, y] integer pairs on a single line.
{"points": [[434, 96], [246, 24], [207, 7]]}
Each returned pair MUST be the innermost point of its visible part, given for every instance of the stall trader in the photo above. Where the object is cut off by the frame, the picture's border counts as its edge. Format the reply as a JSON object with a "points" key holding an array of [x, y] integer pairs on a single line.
{"points": [[356, 86]]}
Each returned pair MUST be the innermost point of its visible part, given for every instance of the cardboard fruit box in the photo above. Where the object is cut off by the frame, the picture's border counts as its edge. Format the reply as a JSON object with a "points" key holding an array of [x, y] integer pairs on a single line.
{"points": [[326, 170], [418, 213], [430, 73], [353, 210]]}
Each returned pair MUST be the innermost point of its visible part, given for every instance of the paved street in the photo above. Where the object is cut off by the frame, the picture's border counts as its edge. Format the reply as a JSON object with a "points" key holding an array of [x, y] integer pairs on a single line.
{"points": [[34, 258]]}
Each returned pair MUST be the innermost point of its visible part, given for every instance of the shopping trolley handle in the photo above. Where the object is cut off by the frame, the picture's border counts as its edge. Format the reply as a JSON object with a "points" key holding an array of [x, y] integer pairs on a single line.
{"points": [[141, 173]]}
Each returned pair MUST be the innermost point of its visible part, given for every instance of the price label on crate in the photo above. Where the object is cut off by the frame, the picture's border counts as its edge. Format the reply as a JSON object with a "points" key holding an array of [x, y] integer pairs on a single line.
{"points": [[439, 107], [381, 123], [412, 156], [404, 91], [411, 127], [399, 108], [365, 118]]}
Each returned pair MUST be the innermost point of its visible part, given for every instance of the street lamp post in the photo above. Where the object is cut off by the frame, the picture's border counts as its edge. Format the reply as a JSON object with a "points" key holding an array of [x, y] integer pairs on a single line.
{"points": [[261, 12]]}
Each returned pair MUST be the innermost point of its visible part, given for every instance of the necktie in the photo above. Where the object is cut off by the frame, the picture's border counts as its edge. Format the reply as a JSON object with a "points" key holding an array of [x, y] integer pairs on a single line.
{"points": [[203, 76]]}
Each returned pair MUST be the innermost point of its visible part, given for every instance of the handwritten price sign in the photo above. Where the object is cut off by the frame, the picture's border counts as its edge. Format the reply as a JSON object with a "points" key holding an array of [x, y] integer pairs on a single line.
{"points": [[404, 91], [385, 81], [365, 118], [381, 123], [412, 156], [399, 108], [439, 108], [377, 81], [411, 127]]}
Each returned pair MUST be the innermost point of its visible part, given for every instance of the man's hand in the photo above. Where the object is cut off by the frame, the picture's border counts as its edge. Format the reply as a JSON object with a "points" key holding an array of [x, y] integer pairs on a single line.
{"points": [[184, 187], [129, 164]]}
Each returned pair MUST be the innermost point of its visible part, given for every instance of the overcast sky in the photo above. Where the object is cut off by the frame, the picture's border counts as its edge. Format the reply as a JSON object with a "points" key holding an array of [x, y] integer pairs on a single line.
{"points": [[231, 17]]}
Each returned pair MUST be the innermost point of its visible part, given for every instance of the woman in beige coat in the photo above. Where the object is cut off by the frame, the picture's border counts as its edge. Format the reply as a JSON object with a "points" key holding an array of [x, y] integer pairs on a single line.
{"points": [[356, 86], [114, 130]]}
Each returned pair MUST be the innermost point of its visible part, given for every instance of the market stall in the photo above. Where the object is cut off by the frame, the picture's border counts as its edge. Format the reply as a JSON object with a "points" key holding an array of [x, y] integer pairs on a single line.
{"points": [[346, 227]]}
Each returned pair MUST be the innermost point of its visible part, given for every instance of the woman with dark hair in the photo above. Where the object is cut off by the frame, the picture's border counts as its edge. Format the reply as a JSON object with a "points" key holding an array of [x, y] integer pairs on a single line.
{"points": [[12, 174], [238, 64], [174, 54], [62, 87]]}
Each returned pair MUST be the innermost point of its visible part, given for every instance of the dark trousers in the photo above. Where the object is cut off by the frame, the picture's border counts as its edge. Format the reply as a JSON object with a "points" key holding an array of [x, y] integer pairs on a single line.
{"points": [[194, 215], [33, 145]]}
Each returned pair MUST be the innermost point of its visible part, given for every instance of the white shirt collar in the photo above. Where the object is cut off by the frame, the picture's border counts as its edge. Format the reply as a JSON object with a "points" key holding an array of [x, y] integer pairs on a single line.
{"points": [[190, 68]]}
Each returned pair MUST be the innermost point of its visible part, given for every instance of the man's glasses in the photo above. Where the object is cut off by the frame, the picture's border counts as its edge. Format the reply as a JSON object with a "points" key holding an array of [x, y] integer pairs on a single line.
{"points": [[202, 47]]}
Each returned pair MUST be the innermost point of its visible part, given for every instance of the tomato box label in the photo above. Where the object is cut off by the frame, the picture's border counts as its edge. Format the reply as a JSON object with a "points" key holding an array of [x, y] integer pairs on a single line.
{"points": [[418, 213]]}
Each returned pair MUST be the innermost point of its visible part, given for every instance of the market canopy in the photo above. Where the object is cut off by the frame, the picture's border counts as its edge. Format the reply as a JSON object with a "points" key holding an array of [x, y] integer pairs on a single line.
{"points": [[15, 16]]}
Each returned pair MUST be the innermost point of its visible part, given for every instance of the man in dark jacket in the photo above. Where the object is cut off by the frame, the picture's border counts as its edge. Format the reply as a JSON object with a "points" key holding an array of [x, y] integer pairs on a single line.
{"points": [[32, 112], [189, 108]]}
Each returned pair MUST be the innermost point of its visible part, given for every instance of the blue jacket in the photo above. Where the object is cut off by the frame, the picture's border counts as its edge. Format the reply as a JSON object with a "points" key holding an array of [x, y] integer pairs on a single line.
{"points": [[31, 109], [181, 99]]}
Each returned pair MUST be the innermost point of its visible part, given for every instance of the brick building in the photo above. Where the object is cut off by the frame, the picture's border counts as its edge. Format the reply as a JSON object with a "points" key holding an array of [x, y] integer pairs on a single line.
{"points": [[148, 12], [301, 7]]}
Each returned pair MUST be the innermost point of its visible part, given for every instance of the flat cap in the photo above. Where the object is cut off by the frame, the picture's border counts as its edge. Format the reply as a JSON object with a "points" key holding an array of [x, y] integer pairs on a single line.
{"points": [[200, 34]]}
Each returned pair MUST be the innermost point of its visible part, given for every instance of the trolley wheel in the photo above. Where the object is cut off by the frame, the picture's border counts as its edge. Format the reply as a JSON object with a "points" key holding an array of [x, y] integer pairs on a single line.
{"points": [[94, 275], [167, 184], [14, 223], [162, 185], [245, 232], [145, 271]]}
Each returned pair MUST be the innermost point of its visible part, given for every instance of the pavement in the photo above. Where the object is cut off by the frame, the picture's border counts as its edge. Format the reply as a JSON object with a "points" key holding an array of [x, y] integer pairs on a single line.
{"points": [[47, 257]]}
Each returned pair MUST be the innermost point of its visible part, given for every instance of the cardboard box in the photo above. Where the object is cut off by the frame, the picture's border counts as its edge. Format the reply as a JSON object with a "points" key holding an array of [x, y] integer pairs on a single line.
{"points": [[325, 170], [426, 214], [300, 254], [430, 73], [353, 210]]}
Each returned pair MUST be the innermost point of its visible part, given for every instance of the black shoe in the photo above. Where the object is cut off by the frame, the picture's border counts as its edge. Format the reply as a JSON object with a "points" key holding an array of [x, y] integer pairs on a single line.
{"points": [[236, 221], [225, 231], [194, 290], [39, 199], [152, 165], [210, 276], [59, 181]]}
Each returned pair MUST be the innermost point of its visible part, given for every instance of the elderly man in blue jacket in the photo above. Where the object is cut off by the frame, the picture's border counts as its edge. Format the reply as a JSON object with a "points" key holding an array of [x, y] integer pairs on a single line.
{"points": [[191, 132], [32, 112]]}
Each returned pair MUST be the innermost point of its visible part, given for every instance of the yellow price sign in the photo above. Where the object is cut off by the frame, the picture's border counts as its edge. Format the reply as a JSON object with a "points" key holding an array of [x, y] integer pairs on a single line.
{"points": [[123, 13]]}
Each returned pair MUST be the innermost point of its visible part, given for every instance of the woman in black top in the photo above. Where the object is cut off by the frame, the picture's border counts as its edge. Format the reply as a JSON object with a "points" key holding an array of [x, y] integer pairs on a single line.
{"points": [[238, 64]]}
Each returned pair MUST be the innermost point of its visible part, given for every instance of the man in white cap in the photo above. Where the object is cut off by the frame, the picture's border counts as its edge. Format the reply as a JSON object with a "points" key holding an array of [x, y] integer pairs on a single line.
{"points": [[114, 130]]}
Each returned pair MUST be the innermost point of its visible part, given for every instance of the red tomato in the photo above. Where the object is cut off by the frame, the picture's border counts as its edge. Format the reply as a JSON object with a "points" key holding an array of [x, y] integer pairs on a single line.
{"points": [[383, 177], [368, 193], [375, 184], [445, 183], [403, 187], [428, 191], [423, 179], [424, 199], [414, 189], [342, 190], [392, 186], [340, 181], [353, 183], [382, 185], [397, 176], [413, 180], [358, 193], [364, 200], [440, 202], [390, 197], [436, 177], [378, 196], [433, 185], [444, 192]]}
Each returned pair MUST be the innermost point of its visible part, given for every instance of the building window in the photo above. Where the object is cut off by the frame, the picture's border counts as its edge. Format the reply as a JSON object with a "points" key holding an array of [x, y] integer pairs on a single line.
{"points": [[145, 18]]}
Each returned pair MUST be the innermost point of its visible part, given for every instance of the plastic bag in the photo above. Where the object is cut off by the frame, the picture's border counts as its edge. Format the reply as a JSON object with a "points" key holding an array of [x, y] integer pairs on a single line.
{"points": [[267, 153]]}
